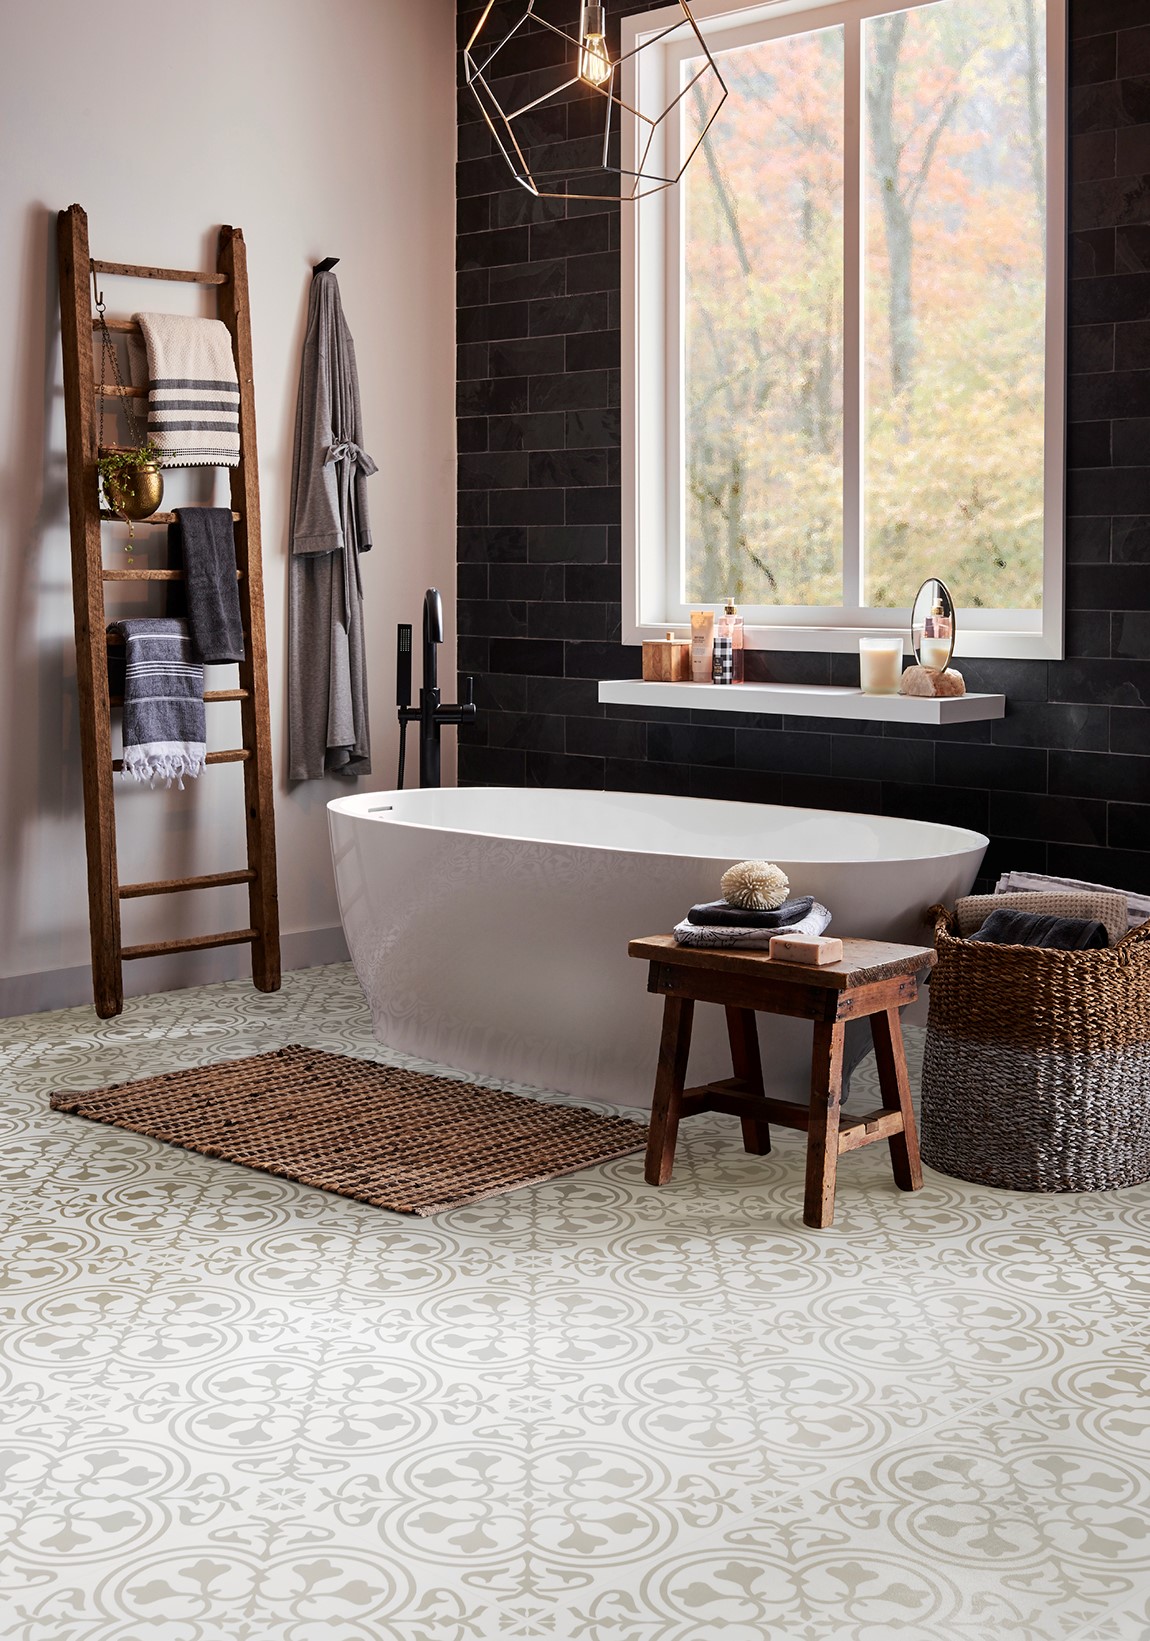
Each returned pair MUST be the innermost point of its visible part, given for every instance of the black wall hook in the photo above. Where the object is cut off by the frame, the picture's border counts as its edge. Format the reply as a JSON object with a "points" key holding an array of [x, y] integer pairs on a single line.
{"points": [[326, 265]]}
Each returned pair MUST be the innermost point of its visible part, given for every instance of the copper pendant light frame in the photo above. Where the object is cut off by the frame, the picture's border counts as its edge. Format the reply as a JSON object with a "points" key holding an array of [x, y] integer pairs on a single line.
{"points": [[478, 65]]}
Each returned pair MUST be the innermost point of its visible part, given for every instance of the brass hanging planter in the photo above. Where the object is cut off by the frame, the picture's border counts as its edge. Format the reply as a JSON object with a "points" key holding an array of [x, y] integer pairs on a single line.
{"points": [[134, 490]]}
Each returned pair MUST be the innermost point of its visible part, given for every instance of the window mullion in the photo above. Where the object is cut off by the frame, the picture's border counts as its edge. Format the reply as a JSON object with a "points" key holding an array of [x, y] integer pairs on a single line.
{"points": [[853, 229]]}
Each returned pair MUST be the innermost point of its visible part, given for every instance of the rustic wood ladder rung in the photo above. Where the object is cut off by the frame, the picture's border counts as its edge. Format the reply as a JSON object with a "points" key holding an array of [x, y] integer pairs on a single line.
{"points": [[89, 577], [178, 885], [153, 518]]}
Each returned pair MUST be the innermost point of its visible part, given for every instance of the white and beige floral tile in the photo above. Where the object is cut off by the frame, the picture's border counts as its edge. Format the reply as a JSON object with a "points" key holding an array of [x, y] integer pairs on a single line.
{"points": [[234, 1409]]}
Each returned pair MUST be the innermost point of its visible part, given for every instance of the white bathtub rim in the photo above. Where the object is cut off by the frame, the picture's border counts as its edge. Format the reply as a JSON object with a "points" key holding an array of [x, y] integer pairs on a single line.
{"points": [[966, 841]]}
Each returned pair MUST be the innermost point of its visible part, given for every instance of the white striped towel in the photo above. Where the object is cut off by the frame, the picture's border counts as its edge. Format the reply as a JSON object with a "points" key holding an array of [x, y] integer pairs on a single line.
{"points": [[193, 391]]}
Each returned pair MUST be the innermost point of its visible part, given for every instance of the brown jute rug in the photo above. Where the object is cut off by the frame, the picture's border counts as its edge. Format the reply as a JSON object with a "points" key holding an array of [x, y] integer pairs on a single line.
{"points": [[395, 1139]]}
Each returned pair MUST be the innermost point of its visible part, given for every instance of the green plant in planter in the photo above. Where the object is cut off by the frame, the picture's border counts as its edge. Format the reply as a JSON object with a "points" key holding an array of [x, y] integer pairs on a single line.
{"points": [[132, 482]]}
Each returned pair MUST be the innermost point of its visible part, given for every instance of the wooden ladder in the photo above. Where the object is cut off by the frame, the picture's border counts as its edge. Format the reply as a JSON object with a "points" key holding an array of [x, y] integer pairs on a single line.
{"points": [[105, 891]]}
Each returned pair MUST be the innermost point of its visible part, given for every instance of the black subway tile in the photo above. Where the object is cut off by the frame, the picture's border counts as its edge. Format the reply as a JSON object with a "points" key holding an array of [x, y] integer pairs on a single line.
{"points": [[565, 468], [684, 744], [1130, 540], [1130, 730], [1132, 248], [493, 618], [567, 543], [592, 429], [594, 505], [1129, 826], [589, 389], [568, 315], [488, 544], [533, 655], [1108, 683], [593, 350], [530, 507], [1009, 768], [526, 432], [1100, 775], [491, 766], [530, 730], [596, 660], [563, 620], [1043, 724], [485, 397], [633, 775], [1049, 819], [563, 770], [578, 697], [527, 281], [1123, 868], [534, 356], [598, 583], [784, 754], [526, 581], [493, 471], [605, 737], [501, 692]]}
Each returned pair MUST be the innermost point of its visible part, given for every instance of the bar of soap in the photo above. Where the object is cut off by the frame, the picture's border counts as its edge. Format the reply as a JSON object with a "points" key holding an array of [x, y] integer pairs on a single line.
{"points": [[806, 948]]}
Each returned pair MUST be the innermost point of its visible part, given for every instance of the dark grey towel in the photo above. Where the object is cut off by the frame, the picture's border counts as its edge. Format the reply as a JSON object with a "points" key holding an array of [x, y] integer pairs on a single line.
{"points": [[202, 543], [720, 914], [164, 720], [1068, 934]]}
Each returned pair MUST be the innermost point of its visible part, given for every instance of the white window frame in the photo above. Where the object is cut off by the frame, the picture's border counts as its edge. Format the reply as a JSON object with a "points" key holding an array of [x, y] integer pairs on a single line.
{"points": [[653, 479]]}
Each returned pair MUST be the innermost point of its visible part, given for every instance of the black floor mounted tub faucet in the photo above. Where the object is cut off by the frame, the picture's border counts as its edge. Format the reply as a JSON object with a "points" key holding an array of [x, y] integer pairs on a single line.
{"points": [[430, 714]]}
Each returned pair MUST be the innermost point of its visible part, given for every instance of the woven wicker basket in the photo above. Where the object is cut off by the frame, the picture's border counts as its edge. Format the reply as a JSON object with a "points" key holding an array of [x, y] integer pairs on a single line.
{"points": [[1036, 1075]]}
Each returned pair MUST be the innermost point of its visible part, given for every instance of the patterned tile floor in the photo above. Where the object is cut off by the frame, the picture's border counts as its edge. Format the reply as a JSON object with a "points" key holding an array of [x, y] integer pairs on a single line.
{"points": [[238, 1410]]}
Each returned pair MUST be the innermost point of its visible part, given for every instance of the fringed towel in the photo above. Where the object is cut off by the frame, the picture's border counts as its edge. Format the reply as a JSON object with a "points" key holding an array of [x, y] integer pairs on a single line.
{"points": [[193, 391], [748, 939], [165, 727], [202, 543]]}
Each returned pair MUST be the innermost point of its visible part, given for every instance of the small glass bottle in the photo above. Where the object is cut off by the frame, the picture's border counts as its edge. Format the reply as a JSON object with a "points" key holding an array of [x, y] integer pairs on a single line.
{"points": [[730, 624]]}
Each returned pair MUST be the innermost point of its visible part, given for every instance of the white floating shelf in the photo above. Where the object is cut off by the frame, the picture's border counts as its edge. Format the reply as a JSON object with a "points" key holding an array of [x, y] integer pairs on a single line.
{"points": [[804, 701]]}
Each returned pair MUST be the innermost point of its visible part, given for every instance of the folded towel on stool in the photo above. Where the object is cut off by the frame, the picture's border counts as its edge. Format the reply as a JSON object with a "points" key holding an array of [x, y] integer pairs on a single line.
{"points": [[720, 914], [193, 390], [748, 938], [164, 721], [1068, 934], [202, 543]]}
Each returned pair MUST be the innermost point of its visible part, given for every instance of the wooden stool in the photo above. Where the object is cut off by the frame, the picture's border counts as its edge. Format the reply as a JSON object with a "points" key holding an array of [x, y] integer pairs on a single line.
{"points": [[874, 979]]}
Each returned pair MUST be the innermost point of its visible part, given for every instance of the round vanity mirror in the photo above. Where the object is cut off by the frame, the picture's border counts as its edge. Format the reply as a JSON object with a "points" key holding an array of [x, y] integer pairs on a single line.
{"points": [[932, 625]]}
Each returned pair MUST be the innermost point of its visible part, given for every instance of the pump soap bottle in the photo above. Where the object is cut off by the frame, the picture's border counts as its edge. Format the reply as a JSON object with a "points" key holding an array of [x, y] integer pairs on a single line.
{"points": [[730, 626]]}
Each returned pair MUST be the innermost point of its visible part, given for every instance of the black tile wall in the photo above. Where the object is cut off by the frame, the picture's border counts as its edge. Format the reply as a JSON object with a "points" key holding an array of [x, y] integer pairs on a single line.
{"points": [[1061, 784]]}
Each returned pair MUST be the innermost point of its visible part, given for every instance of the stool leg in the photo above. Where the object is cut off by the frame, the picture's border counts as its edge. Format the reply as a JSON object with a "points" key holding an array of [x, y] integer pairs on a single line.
{"points": [[886, 1029], [823, 1133], [666, 1103], [744, 1038]]}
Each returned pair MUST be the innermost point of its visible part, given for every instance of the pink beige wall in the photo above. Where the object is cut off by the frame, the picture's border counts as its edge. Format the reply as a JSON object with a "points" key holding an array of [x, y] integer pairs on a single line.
{"points": [[320, 130]]}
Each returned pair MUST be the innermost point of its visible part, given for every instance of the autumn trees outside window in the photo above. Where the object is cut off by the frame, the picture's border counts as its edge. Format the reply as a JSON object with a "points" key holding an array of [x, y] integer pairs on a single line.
{"points": [[847, 371]]}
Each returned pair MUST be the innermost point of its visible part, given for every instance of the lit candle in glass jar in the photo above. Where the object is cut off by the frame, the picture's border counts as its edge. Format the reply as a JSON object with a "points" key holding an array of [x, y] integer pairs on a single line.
{"points": [[880, 665]]}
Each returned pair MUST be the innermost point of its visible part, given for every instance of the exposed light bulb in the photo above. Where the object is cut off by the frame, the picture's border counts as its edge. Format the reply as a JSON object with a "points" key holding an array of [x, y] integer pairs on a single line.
{"points": [[595, 65]]}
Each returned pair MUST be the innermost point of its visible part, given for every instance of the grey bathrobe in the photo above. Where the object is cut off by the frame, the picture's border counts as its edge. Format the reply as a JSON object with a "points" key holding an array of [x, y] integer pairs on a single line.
{"points": [[327, 665]]}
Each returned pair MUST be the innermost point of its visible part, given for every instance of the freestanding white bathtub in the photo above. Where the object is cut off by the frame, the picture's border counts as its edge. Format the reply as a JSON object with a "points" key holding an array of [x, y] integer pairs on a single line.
{"points": [[489, 926]]}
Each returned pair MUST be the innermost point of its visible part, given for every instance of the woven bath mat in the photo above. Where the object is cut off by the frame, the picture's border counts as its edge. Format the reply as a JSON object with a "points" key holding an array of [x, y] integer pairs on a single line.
{"points": [[395, 1139]]}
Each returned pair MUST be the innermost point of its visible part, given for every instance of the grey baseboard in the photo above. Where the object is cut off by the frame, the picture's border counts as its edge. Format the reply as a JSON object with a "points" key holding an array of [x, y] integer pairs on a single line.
{"points": [[69, 988]]}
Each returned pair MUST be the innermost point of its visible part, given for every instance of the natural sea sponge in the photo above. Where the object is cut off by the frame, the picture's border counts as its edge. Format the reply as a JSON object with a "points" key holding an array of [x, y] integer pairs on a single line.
{"points": [[755, 885]]}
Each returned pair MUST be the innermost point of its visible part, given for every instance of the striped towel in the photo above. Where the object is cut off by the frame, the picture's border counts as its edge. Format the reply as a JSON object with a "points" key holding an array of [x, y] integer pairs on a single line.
{"points": [[165, 727], [193, 391]]}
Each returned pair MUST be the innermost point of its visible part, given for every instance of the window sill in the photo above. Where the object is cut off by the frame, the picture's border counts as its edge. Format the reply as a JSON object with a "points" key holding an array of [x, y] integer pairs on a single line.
{"points": [[985, 644], [804, 701]]}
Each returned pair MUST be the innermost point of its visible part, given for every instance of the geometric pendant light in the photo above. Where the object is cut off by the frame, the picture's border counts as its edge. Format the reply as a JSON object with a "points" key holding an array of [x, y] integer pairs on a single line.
{"points": [[569, 148]]}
